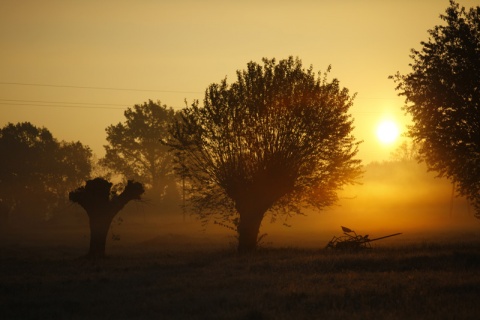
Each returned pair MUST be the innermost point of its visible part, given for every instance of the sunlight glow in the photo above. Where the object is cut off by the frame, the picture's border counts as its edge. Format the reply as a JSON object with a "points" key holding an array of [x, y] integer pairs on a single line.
{"points": [[387, 132]]}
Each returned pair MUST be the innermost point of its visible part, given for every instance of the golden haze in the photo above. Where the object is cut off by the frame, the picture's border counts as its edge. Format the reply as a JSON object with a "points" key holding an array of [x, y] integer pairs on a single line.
{"points": [[177, 48]]}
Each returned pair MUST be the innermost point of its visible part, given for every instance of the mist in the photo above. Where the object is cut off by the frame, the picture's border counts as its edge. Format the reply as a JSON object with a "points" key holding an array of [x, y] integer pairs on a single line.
{"points": [[391, 197], [174, 265], [394, 196]]}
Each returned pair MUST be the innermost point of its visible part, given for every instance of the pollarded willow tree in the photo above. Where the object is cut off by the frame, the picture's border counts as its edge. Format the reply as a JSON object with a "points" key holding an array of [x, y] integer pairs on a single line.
{"points": [[102, 201], [442, 94], [276, 140]]}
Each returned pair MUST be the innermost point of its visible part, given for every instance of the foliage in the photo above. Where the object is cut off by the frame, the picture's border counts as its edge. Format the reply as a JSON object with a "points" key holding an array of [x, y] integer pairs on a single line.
{"points": [[443, 97], [134, 149], [36, 170], [277, 139]]}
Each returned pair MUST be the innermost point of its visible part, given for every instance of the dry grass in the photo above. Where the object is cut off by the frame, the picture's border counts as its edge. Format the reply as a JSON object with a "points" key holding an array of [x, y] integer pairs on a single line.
{"points": [[415, 281]]}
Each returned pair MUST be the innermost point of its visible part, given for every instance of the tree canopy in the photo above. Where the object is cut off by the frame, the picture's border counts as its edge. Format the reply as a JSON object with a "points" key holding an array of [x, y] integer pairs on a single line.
{"points": [[277, 139], [36, 171], [134, 149], [442, 94]]}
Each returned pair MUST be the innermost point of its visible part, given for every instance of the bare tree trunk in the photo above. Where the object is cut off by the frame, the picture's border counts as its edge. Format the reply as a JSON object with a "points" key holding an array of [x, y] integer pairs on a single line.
{"points": [[248, 229], [4, 213], [99, 226]]}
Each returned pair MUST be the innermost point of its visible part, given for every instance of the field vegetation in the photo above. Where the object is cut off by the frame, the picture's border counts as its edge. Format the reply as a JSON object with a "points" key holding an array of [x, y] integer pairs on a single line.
{"points": [[174, 277], [164, 265]]}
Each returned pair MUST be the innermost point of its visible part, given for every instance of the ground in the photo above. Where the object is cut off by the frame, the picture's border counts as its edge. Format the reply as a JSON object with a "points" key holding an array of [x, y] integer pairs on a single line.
{"points": [[191, 277]]}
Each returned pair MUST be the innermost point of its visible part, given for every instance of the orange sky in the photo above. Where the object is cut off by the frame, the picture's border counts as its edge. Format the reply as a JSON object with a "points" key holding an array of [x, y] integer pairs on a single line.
{"points": [[177, 48]]}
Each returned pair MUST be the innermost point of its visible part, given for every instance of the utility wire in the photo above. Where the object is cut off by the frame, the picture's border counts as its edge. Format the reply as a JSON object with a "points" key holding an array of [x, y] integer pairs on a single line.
{"points": [[63, 102], [91, 105], [60, 106], [141, 90], [94, 88]]}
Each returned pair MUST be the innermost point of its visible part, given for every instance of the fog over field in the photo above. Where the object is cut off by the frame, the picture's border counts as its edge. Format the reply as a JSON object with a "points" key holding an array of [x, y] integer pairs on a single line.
{"points": [[89, 68], [393, 197]]}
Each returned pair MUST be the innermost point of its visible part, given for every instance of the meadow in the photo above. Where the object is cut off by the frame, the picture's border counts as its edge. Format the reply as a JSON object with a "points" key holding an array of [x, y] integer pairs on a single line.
{"points": [[200, 276], [167, 266]]}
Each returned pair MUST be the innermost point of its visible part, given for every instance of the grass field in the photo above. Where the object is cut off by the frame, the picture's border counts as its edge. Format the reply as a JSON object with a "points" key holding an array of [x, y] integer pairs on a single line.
{"points": [[171, 278]]}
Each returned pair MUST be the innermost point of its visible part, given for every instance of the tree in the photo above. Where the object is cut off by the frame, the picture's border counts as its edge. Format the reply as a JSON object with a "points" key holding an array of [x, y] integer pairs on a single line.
{"points": [[442, 94], [36, 170], [276, 140], [102, 203], [134, 149], [406, 152]]}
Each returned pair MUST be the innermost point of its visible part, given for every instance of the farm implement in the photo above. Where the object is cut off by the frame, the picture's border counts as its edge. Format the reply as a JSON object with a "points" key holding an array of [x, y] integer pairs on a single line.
{"points": [[351, 241]]}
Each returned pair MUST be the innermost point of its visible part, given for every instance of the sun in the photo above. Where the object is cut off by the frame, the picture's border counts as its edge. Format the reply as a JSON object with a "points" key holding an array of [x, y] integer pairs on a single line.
{"points": [[387, 132]]}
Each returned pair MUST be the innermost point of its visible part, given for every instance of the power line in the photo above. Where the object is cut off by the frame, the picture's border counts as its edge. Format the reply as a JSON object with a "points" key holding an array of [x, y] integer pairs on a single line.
{"points": [[59, 106], [63, 102], [91, 105], [143, 90], [93, 88]]}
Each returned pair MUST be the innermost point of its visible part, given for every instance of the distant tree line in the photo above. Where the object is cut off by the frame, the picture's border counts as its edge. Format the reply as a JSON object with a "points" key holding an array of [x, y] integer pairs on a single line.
{"points": [[37, 171]]}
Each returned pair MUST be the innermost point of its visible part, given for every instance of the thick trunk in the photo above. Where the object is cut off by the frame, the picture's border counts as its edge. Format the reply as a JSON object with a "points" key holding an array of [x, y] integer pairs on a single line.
{"points": [[101, 205], [248, 228], [99, 226], [4, 213]]}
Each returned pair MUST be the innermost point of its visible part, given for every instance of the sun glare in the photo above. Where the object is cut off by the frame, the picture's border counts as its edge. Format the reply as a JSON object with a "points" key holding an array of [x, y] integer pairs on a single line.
{"points": [[387, 132]]}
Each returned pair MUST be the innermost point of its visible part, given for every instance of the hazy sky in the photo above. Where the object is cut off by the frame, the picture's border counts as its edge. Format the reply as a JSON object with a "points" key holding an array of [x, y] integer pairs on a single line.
{"points": [[172, 50]]}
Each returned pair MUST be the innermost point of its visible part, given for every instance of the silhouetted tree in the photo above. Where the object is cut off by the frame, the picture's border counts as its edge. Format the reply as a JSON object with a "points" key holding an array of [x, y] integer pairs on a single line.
{"points": [[277, 139], [36, 171], [443, 97], [102, 203], [406, 152], [134, 149], [4, 212]]}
